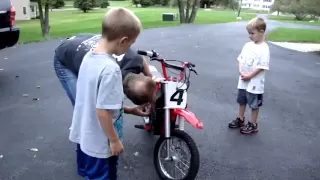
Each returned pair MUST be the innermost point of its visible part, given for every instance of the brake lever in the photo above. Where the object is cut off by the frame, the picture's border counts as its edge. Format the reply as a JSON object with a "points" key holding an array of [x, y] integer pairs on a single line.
{"points": [[193, 71]]}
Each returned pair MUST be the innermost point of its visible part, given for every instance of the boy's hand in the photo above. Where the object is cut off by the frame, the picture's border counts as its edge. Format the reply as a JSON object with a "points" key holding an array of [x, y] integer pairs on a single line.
{"points": [[157, 79], [116, 147], [246, 77]]}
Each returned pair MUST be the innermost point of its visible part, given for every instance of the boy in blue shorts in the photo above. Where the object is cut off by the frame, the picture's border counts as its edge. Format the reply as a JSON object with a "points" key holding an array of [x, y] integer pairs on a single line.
{"points": [[98, 110], [253, 64]]}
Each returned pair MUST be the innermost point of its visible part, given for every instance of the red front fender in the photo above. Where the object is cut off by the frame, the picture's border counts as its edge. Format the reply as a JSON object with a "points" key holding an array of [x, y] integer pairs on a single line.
{"points": [[189, 117]]}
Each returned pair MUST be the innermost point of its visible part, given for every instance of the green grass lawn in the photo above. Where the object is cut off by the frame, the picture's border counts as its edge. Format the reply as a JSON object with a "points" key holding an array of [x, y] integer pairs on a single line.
{"points": [[294, 35], [71, 22], [292, 20]]}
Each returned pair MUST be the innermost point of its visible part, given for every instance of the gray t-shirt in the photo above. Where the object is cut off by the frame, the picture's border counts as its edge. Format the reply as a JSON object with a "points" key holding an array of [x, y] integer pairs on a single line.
{"points": [[99, 86]]}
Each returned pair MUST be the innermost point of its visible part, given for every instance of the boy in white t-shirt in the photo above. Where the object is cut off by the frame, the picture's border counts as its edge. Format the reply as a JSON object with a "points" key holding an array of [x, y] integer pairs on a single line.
{"points": [[253, 64]]}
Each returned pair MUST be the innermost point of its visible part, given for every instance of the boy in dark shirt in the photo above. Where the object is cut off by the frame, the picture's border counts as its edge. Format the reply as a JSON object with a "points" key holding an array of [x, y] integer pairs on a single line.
{"points": [[69, 55]]}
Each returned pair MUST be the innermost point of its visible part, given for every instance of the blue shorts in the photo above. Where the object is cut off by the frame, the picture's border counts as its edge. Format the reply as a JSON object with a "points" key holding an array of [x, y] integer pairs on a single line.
{"points": [[97, 168], [253, 100]]}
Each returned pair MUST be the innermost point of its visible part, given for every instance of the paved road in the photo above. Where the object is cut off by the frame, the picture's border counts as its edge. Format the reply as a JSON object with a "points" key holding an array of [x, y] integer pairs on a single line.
{"points": [[287, 146]]}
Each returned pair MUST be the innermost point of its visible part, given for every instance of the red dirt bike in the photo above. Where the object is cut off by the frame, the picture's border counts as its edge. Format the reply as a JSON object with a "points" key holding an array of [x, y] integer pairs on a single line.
{"points": [[175, 150]]}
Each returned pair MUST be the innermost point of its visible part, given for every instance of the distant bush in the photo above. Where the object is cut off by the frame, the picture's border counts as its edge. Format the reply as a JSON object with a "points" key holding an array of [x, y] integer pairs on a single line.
{"points": [[104, 3], [146, 3], [86, 5], [164, 2], [57, 4], [173, 3]]}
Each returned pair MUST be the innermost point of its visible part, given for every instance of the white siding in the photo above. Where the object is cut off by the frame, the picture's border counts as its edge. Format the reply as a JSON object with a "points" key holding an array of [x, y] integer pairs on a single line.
{"points": [[257, 4], [22, 9]]}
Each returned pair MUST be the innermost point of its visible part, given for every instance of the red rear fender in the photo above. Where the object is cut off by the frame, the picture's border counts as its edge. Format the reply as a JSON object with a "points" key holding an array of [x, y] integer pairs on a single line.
{"points": [[190, 117]]}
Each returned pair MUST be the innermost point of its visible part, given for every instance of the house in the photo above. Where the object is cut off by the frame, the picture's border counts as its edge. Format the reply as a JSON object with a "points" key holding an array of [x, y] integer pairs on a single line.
{"points": [[25, 10], [257, 4]]}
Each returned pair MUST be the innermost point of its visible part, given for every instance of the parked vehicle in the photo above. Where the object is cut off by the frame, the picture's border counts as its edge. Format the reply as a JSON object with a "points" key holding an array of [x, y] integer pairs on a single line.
{"points": [[176, 156], [9, 33]]}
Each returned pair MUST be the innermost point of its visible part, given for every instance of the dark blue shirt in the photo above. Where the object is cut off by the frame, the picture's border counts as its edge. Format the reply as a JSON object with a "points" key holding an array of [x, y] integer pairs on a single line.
{"points": [[72, 50]]}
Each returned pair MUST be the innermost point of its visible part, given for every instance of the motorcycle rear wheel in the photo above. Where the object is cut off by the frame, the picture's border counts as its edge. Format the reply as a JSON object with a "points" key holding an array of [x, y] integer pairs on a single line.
{"points": [[193, 165]]}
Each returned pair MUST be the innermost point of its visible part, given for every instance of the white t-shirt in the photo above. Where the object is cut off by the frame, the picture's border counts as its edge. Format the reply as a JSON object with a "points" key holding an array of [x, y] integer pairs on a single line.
{"points": [[254, 56], [99, 86]]}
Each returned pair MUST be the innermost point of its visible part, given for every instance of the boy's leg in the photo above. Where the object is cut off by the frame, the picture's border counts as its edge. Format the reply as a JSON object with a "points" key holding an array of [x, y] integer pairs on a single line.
{"points": [[101, 169], [242, 101], [255, 102], [81, 160]]}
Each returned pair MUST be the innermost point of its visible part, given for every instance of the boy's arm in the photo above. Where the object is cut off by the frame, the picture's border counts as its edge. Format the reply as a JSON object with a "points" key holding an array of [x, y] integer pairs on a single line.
{"points": [[240, 61], [109, 98], [263, 64], [128, 109], [146, 70]]}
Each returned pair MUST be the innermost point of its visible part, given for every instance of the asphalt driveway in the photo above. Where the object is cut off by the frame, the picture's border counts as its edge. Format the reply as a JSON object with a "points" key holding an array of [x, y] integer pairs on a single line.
{"points": [[287, 146]]}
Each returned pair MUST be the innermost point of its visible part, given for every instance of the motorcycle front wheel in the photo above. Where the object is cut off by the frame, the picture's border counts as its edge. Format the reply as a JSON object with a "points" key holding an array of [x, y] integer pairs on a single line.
{"points": [[180, 160]]}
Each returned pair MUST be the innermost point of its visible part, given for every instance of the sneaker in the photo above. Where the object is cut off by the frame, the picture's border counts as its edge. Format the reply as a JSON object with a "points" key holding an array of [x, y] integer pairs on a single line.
{"points": [[237, 123], [249, 128]]}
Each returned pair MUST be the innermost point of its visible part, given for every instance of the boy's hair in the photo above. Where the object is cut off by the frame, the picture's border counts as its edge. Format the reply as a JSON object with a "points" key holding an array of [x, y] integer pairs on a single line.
{"points": [[257, 23], [138, 88], [120, 22]]}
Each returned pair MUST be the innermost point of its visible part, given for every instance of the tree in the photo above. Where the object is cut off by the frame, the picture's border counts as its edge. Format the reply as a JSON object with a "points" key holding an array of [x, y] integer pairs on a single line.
{"points": [[44, 16], [233, 4], [239, 8], [313, 7], [57, 3], [86, 5], [184, 10], [299, 8], [278, 6], [104, 3]]}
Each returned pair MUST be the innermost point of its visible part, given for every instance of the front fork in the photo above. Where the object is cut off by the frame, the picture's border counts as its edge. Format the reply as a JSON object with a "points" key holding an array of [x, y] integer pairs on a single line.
{"points": [[167, 132], [167, 125]]}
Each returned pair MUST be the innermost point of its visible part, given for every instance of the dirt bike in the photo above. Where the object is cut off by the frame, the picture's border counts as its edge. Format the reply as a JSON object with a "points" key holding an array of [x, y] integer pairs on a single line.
{"points": [[167, 117]]}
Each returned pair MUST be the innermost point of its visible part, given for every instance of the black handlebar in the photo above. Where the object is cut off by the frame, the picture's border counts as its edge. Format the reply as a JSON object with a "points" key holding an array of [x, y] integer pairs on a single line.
{"points": [[153, 55], [150, 54]]}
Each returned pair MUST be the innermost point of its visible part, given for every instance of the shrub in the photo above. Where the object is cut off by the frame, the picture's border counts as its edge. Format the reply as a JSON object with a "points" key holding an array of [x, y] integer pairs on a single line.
{"points": [[85, 5], [57, 4], [104, 3], [146, 3], [164, 2], [135, 2], [173, 3]]}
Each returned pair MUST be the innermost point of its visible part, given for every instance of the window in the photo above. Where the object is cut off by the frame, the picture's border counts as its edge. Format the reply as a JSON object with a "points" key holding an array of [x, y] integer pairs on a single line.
{"points": [[32, 8], [266, 0], [24, 10]]}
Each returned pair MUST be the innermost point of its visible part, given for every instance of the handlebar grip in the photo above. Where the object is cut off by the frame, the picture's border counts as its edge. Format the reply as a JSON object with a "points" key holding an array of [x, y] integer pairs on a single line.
{"points": [[192, 65], [141, 52], [151, 54]]}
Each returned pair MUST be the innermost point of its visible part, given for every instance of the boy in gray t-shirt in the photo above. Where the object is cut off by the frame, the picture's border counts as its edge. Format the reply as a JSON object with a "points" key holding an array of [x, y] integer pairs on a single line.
{"points": [[97, 117]]}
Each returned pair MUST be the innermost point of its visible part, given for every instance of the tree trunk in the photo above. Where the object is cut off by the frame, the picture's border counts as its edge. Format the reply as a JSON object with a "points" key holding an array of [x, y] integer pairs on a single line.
{"points": [[181, 11], [194, 11], [239, 10], [46, 31], [44, 19], [187, 10]]}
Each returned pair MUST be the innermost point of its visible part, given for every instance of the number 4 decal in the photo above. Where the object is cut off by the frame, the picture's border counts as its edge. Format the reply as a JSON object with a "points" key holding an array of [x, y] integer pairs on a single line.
{"points": [[179, 100]]}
